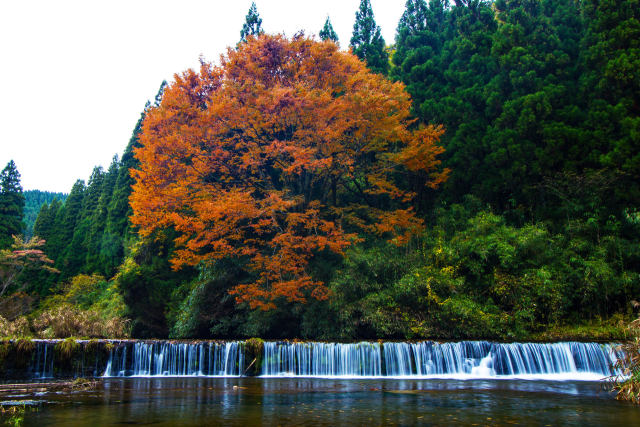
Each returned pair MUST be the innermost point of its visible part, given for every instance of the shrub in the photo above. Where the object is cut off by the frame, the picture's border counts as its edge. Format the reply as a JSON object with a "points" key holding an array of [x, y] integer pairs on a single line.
{"points": [[626, 383], [67, 321], [18, 328]]}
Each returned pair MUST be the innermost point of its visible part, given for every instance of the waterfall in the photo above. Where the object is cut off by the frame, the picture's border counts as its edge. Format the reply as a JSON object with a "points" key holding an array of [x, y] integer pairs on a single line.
{"points": [[466, 359], [42, 361], [158, 358], [427, 359], [322, 359]]}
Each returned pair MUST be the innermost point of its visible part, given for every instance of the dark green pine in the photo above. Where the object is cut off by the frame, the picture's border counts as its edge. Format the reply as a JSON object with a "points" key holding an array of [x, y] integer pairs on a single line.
{"points": [[367, 42], [611, 84], [252, 25], [34, 200], [328, 33], [532, 103], [98, 223], [11, 205], [70, 216]]}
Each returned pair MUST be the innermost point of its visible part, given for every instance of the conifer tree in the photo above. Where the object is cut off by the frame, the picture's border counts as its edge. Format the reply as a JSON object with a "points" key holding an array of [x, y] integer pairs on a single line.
{"points": [[45, 226], [69, 218], [443, 55], [414, 17], [367, 42], [611, 50], [327, 32], [534, 123], [252, 25], [11, 205], [46, 221], [96, 262]]}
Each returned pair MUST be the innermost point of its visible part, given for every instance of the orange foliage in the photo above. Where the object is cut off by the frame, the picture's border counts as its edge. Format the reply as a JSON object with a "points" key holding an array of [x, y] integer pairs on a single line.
{"points": [[270, 155]]}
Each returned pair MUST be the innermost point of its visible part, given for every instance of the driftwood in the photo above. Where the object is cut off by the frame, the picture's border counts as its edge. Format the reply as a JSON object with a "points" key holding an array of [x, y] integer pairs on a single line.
{"points": [[78, 384]]}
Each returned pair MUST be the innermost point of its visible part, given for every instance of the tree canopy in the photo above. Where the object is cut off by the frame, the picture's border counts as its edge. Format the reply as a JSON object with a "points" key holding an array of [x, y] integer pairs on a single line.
{"points": [[367, 42], [327, 32], [11, 204], [252, 25], [286, 149]]}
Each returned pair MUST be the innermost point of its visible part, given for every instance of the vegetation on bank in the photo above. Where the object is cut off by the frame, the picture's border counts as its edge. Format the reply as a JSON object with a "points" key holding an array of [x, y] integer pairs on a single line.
{"points": [[533, 235], [626, 384]]}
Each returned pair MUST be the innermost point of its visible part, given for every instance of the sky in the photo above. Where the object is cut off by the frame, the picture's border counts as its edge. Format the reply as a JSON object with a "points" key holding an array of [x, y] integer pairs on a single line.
{"points": [[76, 74]]}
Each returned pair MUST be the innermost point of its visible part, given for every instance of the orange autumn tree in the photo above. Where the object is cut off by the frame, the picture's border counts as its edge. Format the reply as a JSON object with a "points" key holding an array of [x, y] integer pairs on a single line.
{"points": [[272, 155]]}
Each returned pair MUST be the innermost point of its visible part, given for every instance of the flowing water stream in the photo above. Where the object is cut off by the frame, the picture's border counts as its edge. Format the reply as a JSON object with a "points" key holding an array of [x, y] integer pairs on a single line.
{"points": [[466, 359], [314, 383]]}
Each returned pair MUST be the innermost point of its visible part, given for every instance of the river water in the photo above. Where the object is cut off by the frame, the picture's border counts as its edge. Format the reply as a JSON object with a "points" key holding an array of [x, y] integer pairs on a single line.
{"points": [[202, 401]]}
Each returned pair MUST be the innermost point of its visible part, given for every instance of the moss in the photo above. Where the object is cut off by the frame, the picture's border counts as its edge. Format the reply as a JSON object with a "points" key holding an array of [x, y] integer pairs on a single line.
{"points": [[4, 352], [67, 348], [25, 346], [613, 329], [254, 349]]}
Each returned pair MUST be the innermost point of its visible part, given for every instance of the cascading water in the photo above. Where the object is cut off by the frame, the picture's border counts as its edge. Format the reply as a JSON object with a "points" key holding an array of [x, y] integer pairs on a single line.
{"points": [[42, 361], [176, 359], [467, 359], [322, 359]]}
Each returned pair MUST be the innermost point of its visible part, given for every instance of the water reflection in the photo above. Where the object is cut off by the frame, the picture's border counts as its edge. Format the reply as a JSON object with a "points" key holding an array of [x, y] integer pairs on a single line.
{"points": [[307, 401]]}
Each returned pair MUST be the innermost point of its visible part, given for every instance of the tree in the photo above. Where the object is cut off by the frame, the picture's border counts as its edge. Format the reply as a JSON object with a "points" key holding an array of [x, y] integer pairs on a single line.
{"points": [[66, 221], [611, 84], [23, 255], [285, 150], [443, 55], [252, 25], [11, 204], [535, 122], [34, 200], [367, 42], [328, 33], [46, 227]]}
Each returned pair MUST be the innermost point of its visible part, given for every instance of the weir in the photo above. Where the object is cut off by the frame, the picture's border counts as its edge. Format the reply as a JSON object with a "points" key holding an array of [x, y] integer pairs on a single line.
{"points": [[159, 358], [466, 359], [427, 359]]}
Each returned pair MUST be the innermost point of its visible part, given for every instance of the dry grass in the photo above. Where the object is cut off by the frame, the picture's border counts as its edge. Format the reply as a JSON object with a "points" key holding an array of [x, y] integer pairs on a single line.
{"points": [[627, 382], [67, 321]]}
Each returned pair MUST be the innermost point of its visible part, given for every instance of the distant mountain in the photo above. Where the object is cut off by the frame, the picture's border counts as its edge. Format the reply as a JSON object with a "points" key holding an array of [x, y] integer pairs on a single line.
{"points": [[34, 199]]}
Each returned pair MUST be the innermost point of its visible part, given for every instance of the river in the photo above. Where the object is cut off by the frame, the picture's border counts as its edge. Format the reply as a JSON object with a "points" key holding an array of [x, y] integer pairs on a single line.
{"points": [[309, 401]]}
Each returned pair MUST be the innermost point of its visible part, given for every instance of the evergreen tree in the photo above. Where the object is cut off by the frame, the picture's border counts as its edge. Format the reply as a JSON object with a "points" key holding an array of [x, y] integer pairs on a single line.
{"points": [[252, 25], [96, 261], [11, 205], [420, 37], [118, 226], [34, 200], [367, 42], [68, 262], [414, 17], [443, 55], [535, 122], [46, 227], [611, 84], [46, 220], [327, 32]]}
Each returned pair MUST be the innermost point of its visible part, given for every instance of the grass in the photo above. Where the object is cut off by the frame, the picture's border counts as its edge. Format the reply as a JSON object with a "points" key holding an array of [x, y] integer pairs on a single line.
{"points": [[626, 384], [614, 329]]}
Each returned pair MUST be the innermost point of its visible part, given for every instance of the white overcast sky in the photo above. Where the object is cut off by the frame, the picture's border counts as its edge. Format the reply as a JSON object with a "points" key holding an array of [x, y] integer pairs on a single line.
{"points": [[75, 75]]}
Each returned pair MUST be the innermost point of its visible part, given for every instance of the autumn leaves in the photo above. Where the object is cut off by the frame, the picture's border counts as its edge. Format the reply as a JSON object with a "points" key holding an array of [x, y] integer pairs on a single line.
{"points": [[288, 148]]}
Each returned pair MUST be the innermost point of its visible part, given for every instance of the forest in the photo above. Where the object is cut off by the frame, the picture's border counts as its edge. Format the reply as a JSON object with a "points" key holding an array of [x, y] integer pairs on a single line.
{"points": [[478, 177]]}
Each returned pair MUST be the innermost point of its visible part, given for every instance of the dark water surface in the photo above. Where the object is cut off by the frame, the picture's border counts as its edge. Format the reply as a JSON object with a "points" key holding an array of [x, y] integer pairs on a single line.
{"points": [[308, 401]]}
